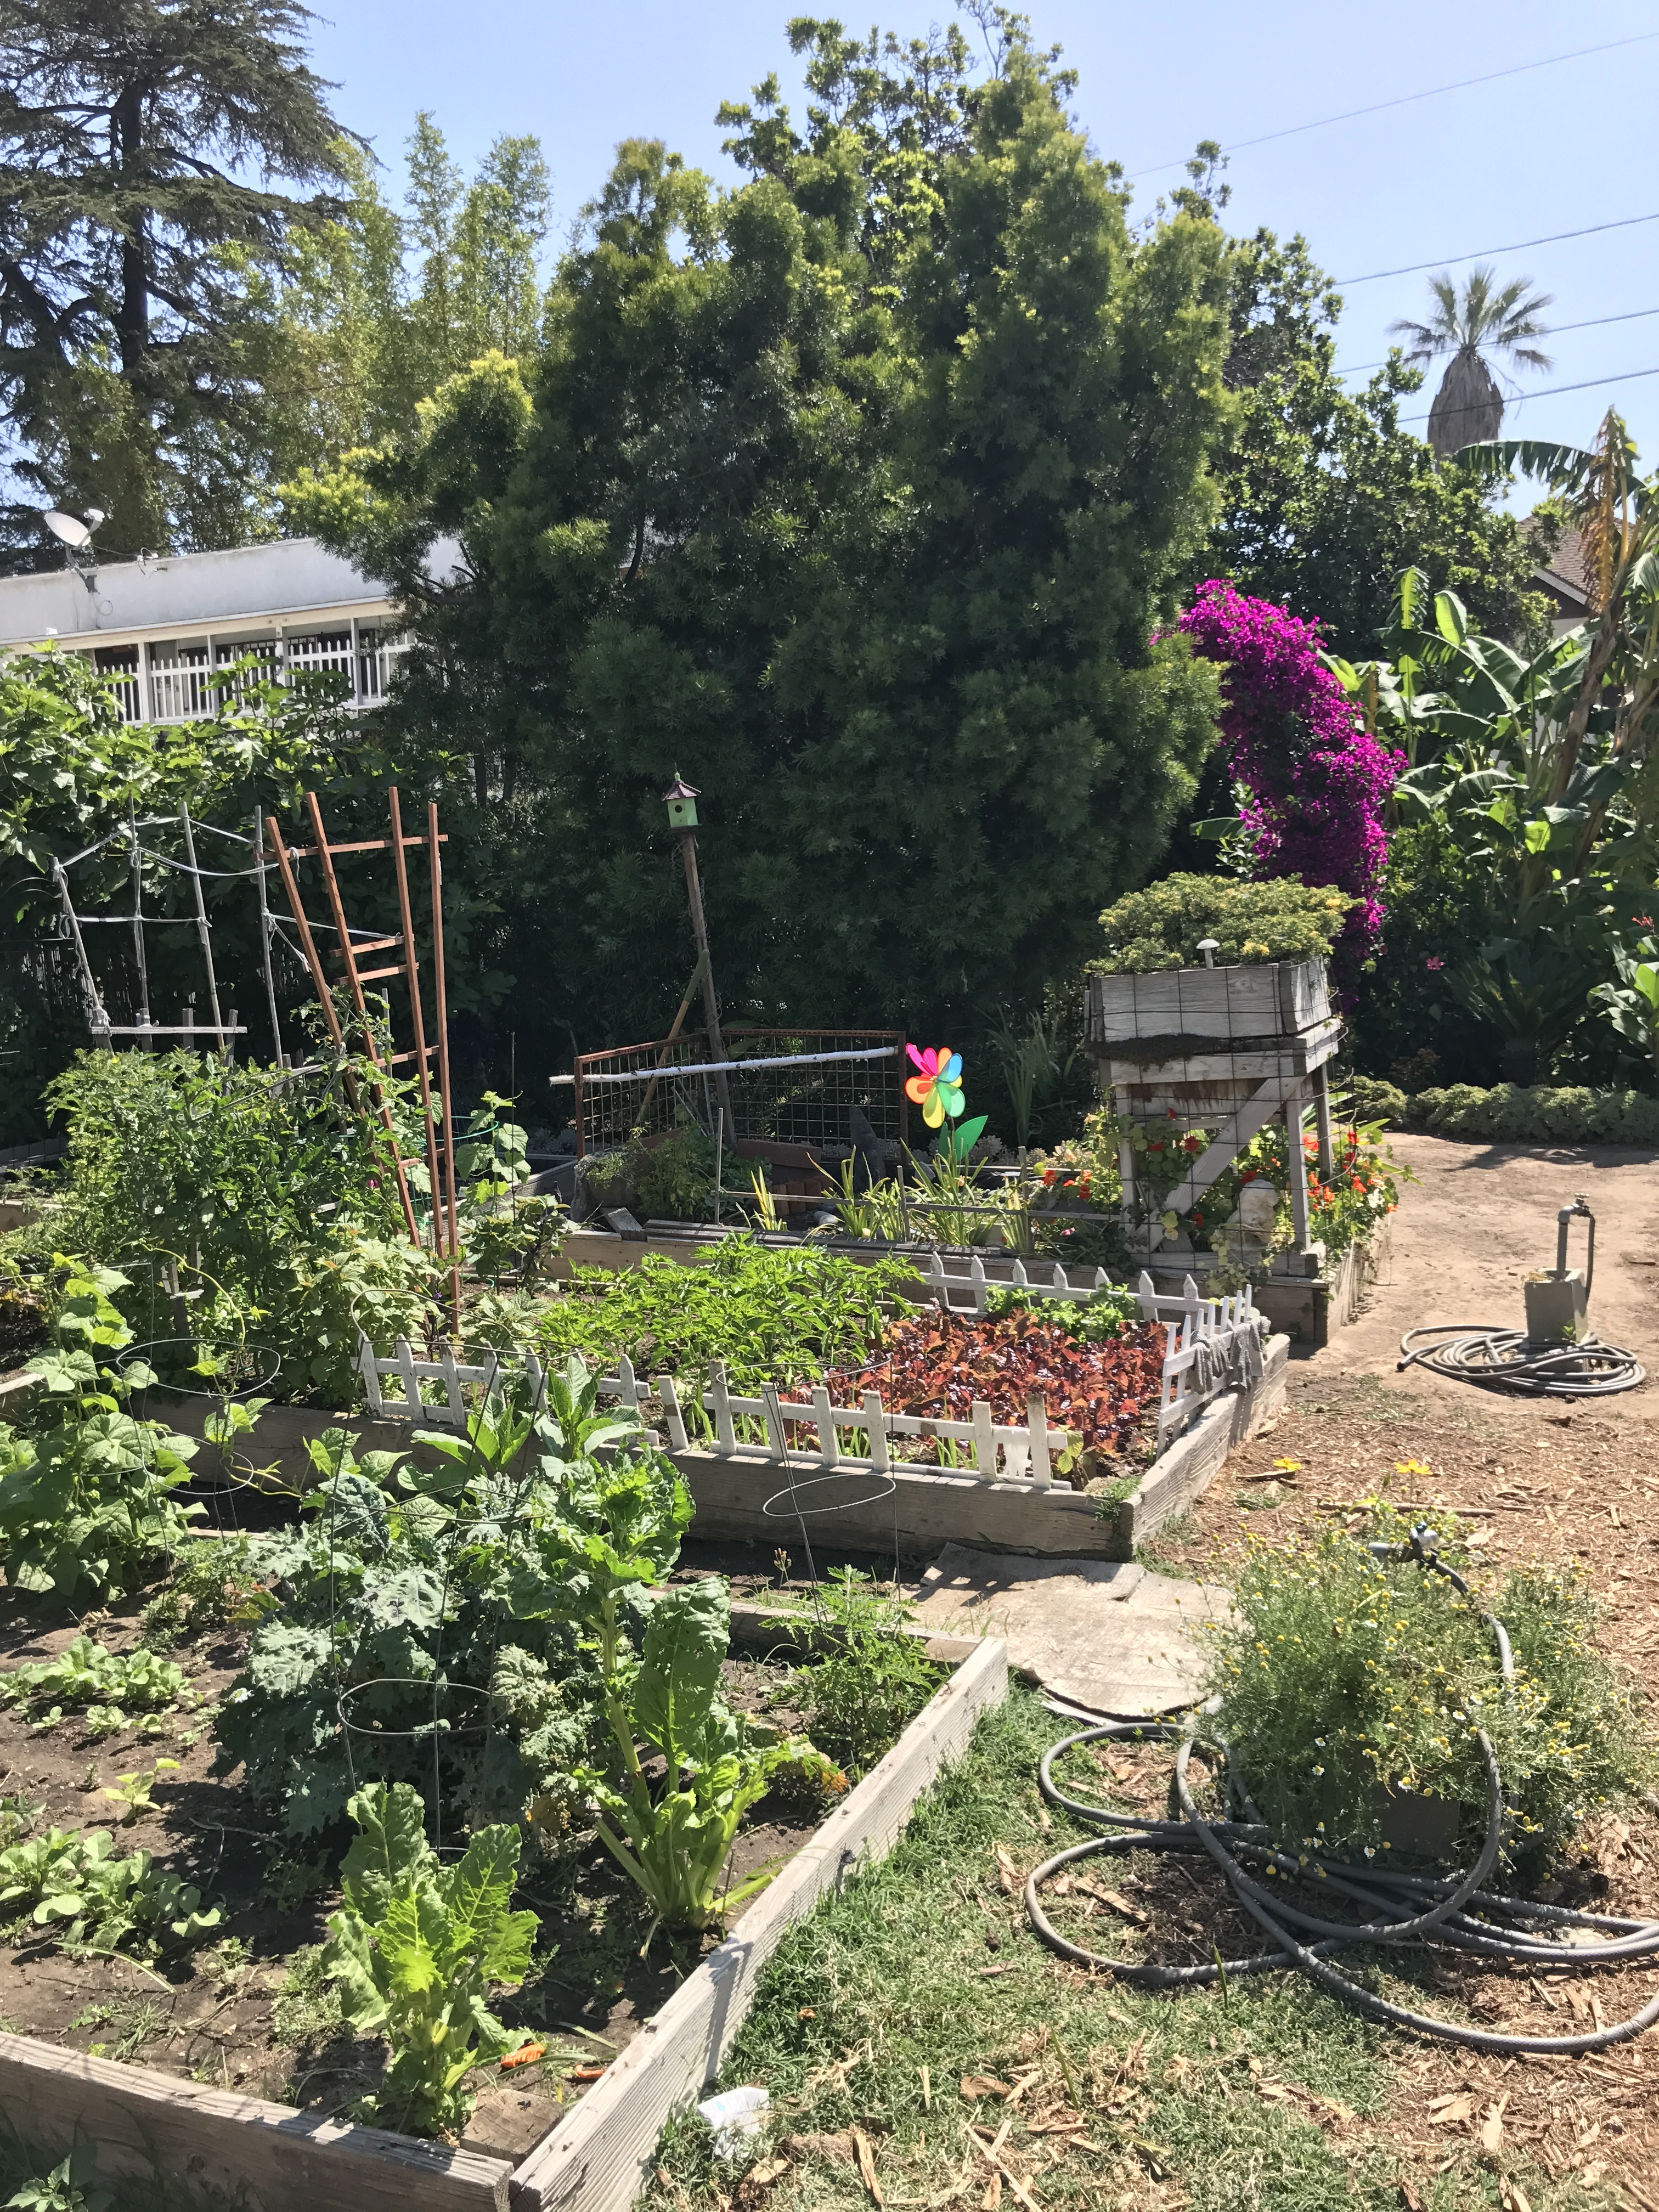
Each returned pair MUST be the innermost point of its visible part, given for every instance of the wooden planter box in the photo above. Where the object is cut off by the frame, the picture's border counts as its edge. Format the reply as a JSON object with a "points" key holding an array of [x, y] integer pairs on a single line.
{"points": [[1281, 998], [203, 2146]]}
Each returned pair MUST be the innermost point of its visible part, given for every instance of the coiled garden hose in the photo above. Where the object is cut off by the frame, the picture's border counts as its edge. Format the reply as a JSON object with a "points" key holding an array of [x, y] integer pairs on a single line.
{"points": [[1507, 1359], [1402, 1910]]}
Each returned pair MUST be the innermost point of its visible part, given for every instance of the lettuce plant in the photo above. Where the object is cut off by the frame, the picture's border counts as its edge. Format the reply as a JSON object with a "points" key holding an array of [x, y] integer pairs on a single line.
{"points": [[417, 1947], [75, 1881]]}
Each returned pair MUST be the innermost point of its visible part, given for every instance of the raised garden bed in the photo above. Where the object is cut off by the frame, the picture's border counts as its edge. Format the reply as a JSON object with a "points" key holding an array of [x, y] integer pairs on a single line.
{"points": [[196, 2102]]}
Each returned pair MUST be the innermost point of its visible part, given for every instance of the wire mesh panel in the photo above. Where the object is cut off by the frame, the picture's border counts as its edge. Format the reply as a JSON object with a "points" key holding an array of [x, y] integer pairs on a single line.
{"points": [[788, 1086]]}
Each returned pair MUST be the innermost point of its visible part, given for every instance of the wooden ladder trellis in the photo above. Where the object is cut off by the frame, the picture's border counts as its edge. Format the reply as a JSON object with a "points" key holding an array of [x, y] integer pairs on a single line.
{"points": [[353, 948]]}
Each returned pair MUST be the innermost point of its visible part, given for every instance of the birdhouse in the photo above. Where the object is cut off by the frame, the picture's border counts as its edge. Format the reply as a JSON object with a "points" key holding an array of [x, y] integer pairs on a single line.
{"points": [[681, 801]]}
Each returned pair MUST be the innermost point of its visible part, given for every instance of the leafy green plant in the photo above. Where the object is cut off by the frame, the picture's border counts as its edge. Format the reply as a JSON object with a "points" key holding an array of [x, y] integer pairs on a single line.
{"points": [[85, 1500], [417, 1947], [1162, 925], [672, 1837], [771, 1315], [86, 1674], [675, 1181], [248, 1207], [210, 1582], [1346, 1676], [67, 2188], [507, 1233], [73, 1881], [1105, 1314], [873, 1681], [133, 1794]]}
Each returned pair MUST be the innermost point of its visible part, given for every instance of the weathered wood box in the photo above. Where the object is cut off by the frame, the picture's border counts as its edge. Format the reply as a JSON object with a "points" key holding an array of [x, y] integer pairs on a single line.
{"points": [[1281, 998], [207, 2149]]}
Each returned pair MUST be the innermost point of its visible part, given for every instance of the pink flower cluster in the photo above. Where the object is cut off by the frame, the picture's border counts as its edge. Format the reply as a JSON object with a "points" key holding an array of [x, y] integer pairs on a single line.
{"points": [[1318, 779]]}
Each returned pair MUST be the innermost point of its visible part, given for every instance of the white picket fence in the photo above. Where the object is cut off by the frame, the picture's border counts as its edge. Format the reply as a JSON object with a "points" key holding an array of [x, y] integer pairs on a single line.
{"points": [[1211, 1344]]}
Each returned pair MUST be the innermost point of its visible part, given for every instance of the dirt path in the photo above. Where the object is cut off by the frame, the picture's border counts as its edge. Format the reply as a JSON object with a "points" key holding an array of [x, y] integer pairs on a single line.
{"points": [[1481, 1218], [1536, 1480]]}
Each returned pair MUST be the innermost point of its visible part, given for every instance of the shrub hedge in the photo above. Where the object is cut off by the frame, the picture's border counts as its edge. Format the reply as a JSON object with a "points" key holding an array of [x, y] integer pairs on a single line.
{"points": [[1514, 1112]]}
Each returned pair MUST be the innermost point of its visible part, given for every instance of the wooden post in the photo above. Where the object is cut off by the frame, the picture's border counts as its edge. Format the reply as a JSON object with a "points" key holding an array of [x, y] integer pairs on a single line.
{"points": [[1298, 1177], [412, 976], [700, 933], [1322, 1122], [431, 842]]}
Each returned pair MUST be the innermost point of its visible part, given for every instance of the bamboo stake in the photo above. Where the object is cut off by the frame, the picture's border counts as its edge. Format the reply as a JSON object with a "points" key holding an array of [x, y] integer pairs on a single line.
{"points": [[433, 842], [414, 981]]}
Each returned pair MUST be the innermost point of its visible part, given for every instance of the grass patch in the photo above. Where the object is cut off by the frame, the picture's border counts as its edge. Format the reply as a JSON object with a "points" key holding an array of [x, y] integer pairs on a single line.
{"points": [[889, 1979]]}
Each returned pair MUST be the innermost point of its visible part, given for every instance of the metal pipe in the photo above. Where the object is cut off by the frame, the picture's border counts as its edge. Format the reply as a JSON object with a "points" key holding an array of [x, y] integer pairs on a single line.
{"points": [[266, 931]]}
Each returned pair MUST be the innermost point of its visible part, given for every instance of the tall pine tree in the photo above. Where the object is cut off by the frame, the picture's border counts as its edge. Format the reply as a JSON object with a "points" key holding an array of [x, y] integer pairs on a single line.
{"points": [[127, 131]]}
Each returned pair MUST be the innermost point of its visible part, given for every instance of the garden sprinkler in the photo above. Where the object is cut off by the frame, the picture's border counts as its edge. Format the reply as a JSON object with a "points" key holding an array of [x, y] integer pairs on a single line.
{"points": [[1557, 1355]]}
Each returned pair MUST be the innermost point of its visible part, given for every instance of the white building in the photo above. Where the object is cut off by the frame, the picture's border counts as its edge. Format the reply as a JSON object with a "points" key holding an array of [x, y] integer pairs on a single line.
{"points": [[162, 624]]}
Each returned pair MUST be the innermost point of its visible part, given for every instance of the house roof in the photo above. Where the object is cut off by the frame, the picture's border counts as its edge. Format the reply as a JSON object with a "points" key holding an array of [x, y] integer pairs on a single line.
{"points": [[288, 577], [1563, 574]]}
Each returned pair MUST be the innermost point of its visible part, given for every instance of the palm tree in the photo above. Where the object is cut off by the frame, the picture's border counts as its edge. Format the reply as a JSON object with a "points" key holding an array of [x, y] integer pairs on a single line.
{"points": [[1468, 406]]}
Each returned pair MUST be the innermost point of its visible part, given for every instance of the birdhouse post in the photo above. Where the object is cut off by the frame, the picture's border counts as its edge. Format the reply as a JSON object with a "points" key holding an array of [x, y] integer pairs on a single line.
{"points": [[681, 801]]}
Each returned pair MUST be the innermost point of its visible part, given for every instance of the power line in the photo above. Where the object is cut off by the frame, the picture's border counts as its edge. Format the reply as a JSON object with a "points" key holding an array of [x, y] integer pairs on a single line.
{"points": [[1549, 390], [1449, 260], [1406, 99], [1554, 330]]}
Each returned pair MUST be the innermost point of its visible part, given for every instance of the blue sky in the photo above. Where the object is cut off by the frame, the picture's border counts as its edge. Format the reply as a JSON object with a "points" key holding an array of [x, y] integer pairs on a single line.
{"points": [[1553, 149]]}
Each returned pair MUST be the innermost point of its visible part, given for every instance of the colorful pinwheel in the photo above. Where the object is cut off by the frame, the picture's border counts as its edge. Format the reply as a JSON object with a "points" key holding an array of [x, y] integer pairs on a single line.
{"points": [[937, 1089]]}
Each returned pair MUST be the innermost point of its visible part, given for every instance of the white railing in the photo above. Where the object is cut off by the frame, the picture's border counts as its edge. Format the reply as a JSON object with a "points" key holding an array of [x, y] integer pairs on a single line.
{"points": [[180, 689], [171, 683]]}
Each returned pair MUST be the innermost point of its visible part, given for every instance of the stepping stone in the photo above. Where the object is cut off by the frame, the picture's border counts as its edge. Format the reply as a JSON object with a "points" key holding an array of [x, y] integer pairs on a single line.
{"points": [[1103, 1634]]}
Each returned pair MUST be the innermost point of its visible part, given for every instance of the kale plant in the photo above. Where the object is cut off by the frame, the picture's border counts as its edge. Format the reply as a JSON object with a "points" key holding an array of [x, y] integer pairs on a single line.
{"points": [[417, 1946]]}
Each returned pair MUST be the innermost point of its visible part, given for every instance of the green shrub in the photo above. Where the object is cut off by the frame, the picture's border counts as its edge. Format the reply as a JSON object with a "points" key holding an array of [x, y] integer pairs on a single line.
{"points": [[675, 1181], [1162, 925], [1521, 1114], [1514, 1113], [862, 1695], [1344, 1676]]}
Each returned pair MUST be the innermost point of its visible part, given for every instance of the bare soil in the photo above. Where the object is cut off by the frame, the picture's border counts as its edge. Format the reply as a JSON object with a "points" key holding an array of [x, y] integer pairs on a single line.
{"points": [[1537, 1480], [210, 2017]]}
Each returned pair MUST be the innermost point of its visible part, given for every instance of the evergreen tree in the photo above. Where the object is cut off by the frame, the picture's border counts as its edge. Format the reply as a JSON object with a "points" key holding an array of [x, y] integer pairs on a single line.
{"points": [[859, 493], [125, 131]]}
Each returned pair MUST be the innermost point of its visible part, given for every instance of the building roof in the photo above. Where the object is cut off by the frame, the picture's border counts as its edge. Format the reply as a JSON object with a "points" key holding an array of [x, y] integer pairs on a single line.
{"points": [[287, 579], [1563, 574]]}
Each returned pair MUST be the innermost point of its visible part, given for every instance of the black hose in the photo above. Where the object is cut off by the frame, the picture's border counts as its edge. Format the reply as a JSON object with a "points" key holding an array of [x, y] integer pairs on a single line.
{"points": [[1507, 1359], [1403, 1911]]}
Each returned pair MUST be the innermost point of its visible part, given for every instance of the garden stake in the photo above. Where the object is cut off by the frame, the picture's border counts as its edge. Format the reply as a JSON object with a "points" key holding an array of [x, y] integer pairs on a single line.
{"points": [[412, 975], [433, 842]]}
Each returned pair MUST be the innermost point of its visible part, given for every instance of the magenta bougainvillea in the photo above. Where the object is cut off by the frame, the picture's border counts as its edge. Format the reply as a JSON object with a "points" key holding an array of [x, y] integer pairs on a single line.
{"points": [[1318, 781]]}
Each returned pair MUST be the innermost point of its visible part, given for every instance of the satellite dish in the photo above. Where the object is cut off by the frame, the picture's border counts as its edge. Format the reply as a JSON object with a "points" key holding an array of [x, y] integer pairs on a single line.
{"points": [[70, 528]]}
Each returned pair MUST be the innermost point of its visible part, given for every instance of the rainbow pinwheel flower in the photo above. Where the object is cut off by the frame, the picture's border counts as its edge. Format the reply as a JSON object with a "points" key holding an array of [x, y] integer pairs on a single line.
{"points": [[937, 1088]]}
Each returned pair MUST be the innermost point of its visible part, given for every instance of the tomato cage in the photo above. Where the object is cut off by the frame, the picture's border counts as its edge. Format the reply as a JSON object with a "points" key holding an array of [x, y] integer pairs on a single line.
{"points": [[823, 1089]]}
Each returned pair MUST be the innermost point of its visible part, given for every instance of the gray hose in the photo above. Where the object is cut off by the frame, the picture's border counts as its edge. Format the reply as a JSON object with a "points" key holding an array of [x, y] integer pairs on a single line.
{"points": [[1507, 1359], [1402, 1910]]}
